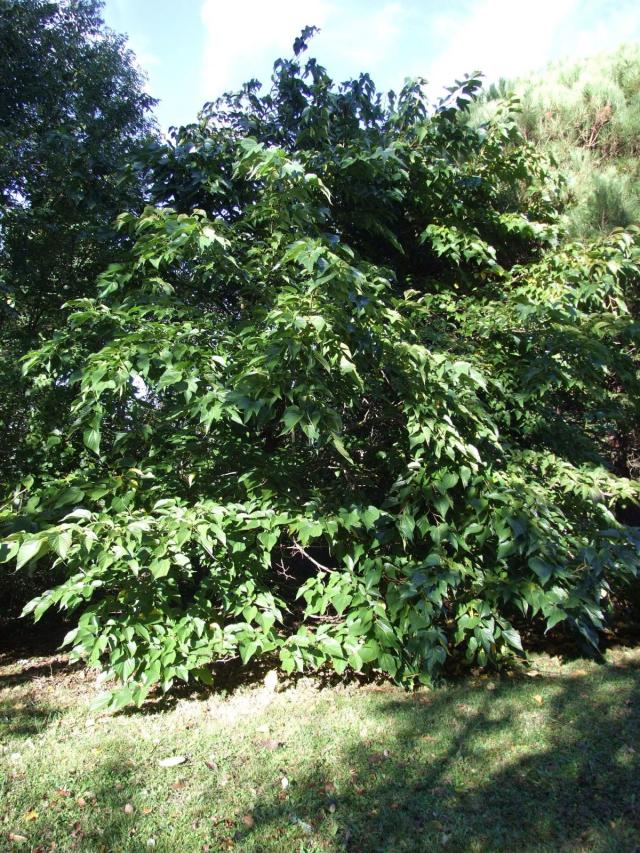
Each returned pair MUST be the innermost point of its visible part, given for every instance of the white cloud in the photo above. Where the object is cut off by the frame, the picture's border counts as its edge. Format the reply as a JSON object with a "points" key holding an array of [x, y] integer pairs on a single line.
{"points": [[395, 38], [144, 55], [243, 37], [364, 42], [501, 38], [607, 35]]}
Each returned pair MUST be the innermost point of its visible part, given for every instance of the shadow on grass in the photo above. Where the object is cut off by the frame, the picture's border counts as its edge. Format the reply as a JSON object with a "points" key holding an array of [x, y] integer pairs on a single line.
{"points": [[490, 767], [46, 668], [22, 719], [91, 816], [579, 790]]}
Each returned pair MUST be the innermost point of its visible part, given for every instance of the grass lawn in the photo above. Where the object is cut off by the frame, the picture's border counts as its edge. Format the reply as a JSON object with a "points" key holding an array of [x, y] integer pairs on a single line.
{"points": [[545, 761]]}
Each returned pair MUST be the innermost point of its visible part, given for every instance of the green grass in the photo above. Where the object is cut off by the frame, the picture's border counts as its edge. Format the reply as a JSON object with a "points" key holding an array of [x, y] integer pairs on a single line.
{"points": [[515, 764]]}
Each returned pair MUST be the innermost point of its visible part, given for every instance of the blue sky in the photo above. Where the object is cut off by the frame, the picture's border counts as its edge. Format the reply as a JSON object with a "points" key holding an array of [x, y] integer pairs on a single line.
{"points": [[193, 50]]}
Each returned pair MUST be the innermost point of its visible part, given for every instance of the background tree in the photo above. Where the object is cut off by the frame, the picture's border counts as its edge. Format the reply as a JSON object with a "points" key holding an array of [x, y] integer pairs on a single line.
{"points": [[347, 397], [72, 109], [586, 115]]}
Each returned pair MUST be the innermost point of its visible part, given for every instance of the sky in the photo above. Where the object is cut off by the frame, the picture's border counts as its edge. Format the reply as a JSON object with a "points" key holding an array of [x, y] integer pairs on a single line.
{"points": [[194, 50]]}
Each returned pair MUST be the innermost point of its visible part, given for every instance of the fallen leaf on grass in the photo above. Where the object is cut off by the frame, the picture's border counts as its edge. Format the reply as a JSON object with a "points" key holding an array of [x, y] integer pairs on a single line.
{"points": [[19, 839], [128, 809], [146, 810], [248, 820], [174, 761], [538, 698], [269, 743], [31, 815], [81, 802]]}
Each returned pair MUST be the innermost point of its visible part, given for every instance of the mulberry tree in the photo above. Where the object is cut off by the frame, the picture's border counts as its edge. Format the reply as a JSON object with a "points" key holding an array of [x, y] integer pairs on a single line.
{"points": [[349, 398]]}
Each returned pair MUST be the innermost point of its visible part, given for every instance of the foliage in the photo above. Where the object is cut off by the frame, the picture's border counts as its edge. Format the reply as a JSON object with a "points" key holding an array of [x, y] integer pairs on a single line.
{"points": [[346, 399], [72, 107], [586, 114]]}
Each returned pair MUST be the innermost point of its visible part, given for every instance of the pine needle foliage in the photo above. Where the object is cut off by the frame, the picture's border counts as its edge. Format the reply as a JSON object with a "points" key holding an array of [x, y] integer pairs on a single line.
{"points": [[586, 115]]}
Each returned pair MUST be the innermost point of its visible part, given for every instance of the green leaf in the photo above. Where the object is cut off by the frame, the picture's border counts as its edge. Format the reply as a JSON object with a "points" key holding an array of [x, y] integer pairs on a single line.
{"points": [[247, 650], [31, 549], [91, 439], [171, 376], [72, 495], [62, 543], [160, 568], [292, 416], [406, 525], [339, 446], [339, 665], [331, 647], [512, 637], [370, 651], [340, 602], [8, 551], [555, 615], [543, 569], [369, 516], [346, 366]]}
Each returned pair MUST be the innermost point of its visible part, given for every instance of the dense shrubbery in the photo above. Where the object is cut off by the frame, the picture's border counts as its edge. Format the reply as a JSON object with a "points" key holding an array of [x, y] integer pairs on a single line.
{"points": [[347, 398]]}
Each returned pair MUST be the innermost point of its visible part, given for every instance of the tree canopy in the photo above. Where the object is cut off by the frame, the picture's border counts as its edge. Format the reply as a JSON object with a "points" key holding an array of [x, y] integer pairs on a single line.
{"points": [[72, 109], [346, 395]]}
